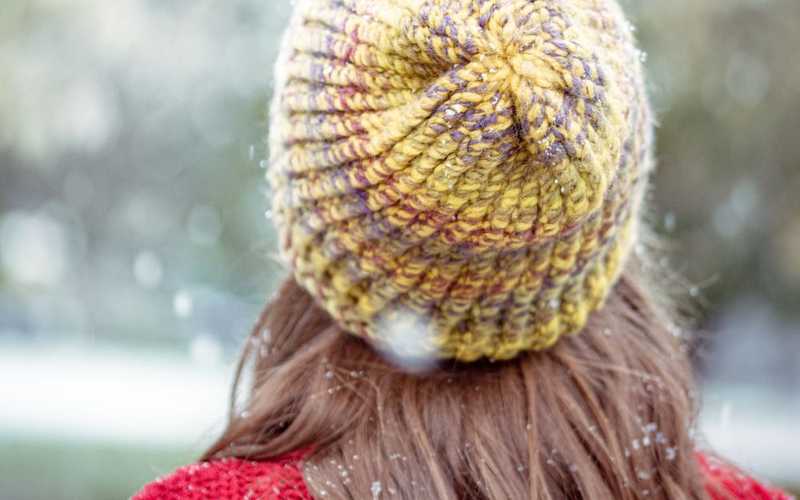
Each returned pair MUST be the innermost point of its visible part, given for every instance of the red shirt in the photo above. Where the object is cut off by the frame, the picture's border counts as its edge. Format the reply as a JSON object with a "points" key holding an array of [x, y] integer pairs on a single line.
{"points": [[282, 479]]}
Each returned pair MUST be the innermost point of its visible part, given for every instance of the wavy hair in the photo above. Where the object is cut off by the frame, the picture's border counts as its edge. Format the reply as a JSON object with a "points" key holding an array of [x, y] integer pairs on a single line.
{"points": [[604, 414]]}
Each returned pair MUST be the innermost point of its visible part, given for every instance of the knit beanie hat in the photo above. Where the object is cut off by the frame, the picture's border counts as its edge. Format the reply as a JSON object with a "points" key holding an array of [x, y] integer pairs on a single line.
{"points": [[476, 165]]}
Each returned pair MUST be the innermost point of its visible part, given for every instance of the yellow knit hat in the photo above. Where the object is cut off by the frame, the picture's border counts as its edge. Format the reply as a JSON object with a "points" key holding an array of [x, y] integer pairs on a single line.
{"points": [[478, 164]]}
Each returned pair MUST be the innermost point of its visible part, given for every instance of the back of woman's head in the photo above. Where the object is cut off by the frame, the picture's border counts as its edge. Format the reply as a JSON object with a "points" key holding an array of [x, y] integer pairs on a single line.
{"points": [[459, 183], [603, 414]]}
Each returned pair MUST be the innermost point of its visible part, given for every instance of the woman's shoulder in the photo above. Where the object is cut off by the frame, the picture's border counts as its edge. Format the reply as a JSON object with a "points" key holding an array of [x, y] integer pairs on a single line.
{"points": [[282, 479], [724, 482], [231, 479]]}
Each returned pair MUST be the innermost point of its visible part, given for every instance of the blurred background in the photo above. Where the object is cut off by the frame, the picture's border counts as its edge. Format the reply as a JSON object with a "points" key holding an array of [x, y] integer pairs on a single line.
{"points": [[135, 249]]}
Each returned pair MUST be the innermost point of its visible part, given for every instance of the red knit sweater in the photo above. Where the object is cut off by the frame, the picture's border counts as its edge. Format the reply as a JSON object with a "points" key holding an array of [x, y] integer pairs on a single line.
{"points": [[234, 479]]}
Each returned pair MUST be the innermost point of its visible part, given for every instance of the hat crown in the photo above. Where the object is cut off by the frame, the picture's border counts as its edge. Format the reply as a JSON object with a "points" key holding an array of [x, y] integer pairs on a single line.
{"points": [[435, 155]]}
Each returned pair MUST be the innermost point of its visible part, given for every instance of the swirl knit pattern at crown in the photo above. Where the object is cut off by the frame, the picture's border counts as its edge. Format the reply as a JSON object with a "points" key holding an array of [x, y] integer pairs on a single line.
{"points": [[478, 164]]}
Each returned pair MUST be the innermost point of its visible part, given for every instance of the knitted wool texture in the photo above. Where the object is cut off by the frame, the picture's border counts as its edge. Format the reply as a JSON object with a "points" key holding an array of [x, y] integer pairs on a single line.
{"points": [[476, 165]]}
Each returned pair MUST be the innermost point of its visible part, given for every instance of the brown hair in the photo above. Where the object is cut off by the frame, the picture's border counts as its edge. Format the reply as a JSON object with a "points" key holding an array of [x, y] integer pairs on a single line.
{"points": [[604, 414]]}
